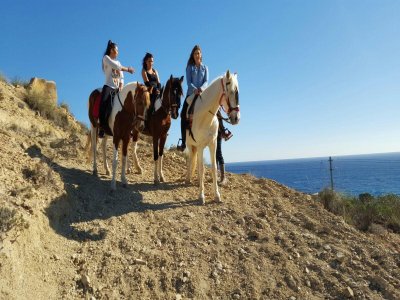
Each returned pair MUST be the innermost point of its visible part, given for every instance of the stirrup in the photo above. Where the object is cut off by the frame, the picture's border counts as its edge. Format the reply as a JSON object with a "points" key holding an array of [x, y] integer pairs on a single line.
{"points": [[227, 134], [180, 147]]}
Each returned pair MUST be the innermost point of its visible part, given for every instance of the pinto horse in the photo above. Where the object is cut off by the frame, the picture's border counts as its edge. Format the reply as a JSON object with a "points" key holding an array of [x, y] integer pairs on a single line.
{"points": [[128, 113], [159, 123], [223, 91]]}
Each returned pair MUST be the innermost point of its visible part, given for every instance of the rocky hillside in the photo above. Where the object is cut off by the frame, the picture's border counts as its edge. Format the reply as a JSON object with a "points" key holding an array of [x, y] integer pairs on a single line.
{"points": [[65, 236]]}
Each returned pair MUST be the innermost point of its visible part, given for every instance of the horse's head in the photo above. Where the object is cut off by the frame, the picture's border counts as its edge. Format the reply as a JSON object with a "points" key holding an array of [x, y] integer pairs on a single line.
{"points": [[173, 92], [231, 103], [141, 101]]}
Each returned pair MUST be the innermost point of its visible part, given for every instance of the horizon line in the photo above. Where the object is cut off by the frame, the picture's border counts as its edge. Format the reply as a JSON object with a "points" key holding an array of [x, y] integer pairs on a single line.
{"points": [[314, 157]]}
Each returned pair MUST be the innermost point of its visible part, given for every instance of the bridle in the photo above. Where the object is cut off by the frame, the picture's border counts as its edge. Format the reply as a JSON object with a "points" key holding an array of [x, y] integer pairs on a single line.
{"points": [[226, 96], [170, 106], [135, 114]]}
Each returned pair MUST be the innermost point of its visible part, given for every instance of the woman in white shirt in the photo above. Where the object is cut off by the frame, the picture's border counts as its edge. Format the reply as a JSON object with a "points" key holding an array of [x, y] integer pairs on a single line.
{"points": [[114, 78]]}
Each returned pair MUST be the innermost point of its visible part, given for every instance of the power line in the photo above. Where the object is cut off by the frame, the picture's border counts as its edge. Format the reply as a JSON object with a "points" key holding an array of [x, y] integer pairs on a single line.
{"points": [[330, 171]]}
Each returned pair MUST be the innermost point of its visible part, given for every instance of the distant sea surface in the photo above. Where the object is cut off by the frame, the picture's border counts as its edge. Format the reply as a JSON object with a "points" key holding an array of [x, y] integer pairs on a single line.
{"points": [[377, 174]]}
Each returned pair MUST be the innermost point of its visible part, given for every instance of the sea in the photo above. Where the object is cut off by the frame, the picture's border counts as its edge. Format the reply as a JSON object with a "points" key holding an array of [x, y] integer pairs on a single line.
{"points": [[377, 174]]}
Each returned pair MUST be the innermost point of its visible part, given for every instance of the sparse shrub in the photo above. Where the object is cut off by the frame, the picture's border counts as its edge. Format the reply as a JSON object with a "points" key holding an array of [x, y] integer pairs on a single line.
{"points": [[3, 78], [365, 210], [366, 197], [10, 218], [387, 210], [18, 81], [83, 129], [65, 106], [332, 201], [40, 174], [60, 118], [40, 102]]}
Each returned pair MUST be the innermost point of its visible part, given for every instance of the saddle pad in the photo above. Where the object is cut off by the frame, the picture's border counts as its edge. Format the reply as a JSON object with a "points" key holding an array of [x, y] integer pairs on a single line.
{"points": [[96, 107], [157, 104]]}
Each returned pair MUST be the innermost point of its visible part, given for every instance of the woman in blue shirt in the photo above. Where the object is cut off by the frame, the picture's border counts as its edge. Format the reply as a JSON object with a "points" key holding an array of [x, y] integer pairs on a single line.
{"points": [[197, 80]]}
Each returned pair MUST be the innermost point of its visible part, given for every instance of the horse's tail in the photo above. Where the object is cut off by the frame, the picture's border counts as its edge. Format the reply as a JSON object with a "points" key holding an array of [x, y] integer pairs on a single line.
{"points": [[94, 95]]}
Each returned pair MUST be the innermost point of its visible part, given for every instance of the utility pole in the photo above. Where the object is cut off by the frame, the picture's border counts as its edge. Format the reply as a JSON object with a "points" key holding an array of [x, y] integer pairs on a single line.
{"points": [[330, 171]]}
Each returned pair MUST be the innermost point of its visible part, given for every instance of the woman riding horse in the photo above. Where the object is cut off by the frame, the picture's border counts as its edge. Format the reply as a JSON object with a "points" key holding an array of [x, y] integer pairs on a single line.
{"points": [[197, 80], [114, 79]]}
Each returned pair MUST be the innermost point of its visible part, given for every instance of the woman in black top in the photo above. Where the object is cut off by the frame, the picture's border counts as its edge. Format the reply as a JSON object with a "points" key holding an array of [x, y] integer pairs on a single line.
{"points": [[150, 78]]}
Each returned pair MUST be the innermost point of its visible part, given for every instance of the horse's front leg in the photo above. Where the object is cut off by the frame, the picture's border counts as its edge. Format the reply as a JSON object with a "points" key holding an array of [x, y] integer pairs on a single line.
{"points": [[125, 144], [212, 147], [114, 166], [160, 157], [190, 163], [93, 136], [104, 147], [135, 158], [155, 156], [200, 165]]}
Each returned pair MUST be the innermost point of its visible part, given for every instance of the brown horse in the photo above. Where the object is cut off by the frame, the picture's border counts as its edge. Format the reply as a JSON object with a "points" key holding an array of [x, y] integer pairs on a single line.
{"points": [[128, 113], [159, 123]]}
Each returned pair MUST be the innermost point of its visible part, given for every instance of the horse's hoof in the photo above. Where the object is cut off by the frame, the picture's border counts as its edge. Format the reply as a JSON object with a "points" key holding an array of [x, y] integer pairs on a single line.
{"points": [[139, 171], [108, 172], [162, 179], [156, 182], [218, 199], [202, 199], [95, 173], [223, 182], [128, 171]]}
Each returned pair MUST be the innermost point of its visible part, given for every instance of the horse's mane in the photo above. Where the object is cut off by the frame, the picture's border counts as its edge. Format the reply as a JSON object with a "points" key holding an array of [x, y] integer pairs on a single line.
{"points": [[216, 79]]}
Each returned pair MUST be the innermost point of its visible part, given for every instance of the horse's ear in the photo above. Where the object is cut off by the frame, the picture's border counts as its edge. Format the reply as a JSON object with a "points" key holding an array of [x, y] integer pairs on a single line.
{"points": [[129, 97], [181, 80], [228, 74], [170, 78]]}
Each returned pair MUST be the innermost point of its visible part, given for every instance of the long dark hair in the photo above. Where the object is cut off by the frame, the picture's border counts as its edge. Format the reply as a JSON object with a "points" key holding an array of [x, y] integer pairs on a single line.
{"points": [[146, 57], [191, 58], [110, 45]]}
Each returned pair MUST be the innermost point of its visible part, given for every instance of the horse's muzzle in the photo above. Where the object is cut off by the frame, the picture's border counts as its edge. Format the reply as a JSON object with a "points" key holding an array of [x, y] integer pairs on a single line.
{"points": [[174, 115], [234, 117]]}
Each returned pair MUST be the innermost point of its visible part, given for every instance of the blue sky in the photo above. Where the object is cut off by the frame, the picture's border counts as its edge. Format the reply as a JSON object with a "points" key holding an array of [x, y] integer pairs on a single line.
{"points": [[317, 78]]}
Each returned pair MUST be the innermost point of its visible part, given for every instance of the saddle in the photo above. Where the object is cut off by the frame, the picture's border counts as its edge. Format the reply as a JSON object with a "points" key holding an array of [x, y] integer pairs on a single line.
{"points": [[191, 101]]}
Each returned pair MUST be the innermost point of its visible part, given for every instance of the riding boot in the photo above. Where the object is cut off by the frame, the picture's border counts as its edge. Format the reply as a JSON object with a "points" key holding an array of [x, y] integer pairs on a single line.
{"points": [[182, 146], [223, 178]]}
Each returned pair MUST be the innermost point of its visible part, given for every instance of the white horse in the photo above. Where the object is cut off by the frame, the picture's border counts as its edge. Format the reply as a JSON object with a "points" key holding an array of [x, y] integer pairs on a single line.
{"points": [[128, 112], [223, 91]]}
